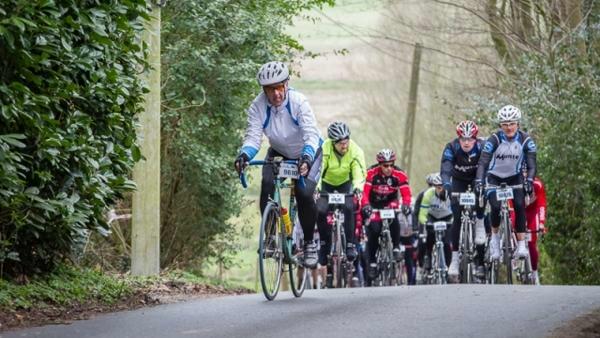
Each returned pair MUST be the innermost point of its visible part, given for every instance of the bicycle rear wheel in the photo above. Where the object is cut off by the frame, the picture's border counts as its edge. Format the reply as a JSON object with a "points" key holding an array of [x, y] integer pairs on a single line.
{"points": [[270, 253]]}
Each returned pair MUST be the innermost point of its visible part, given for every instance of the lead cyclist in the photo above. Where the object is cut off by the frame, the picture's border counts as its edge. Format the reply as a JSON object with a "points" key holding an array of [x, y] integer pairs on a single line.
{"points": [[501, 160], [286, 118]]}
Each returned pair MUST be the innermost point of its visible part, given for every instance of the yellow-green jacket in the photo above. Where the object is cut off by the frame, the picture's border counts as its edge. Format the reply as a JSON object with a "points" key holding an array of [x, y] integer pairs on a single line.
{"points": [[337, 170]]}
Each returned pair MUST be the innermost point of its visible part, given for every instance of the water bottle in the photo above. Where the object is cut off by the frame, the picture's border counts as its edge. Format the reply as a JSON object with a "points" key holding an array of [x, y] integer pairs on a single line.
{"points": [[286, 221]]}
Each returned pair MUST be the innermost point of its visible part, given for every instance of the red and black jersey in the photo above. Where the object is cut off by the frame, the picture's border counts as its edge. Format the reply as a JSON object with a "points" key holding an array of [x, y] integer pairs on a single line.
{"points": [[380, 190]]}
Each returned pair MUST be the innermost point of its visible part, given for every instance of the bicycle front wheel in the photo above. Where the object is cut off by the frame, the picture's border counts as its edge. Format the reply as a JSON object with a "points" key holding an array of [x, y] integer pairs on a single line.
{"points": [[298, 278], [270, 251]]}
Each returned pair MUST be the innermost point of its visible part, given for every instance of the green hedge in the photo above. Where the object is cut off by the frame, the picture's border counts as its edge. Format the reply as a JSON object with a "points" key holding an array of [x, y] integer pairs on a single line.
{"points": [[69, 93]]}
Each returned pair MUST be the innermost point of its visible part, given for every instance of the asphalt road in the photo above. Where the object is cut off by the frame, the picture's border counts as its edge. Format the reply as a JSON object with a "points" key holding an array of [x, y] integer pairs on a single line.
{"points": [[418, 311]]}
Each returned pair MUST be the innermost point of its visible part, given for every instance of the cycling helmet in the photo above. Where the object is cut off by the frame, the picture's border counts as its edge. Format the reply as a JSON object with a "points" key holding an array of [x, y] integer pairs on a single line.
{"points": [[436, 179], [272, 72], [467, 129], [338, 131], [429, 179], [509, 114], [386, 155]]}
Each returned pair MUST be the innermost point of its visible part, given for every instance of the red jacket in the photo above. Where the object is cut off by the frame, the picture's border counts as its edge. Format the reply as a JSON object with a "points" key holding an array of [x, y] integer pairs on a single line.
{"points": [[380, 190], [536, 209]]}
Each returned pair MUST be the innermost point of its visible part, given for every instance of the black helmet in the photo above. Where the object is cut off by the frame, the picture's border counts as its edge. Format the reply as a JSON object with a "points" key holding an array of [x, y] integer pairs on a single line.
{"points": [[338, 131]]}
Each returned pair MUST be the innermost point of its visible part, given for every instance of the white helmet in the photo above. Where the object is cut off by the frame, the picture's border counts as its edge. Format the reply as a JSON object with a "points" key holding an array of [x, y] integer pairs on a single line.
{"points": [[272, 72], [436, 179], [508, 114]]}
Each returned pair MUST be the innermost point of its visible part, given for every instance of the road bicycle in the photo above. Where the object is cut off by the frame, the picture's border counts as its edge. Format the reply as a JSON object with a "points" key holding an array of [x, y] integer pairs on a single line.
{"points": [[337, 262], [388, 269], [438, 274], [466, 252], [508, 240], [275, 243]]}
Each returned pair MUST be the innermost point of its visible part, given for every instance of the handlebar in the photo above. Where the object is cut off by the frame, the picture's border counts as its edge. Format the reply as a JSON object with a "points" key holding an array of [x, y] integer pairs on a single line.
{"points": [[244, 183]]}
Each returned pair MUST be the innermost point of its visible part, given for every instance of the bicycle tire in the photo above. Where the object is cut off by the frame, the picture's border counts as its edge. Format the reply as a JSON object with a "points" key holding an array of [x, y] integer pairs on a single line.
{"points": [[270, 251], [507, 251], [337, 256], [298, 284]]}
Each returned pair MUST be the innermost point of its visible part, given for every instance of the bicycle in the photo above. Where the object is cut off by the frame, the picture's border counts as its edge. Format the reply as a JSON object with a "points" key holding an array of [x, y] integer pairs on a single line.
{"points": [[466, 251], [388, 269], [275, 240], [508, 240], [439, 271], [337, 261]]}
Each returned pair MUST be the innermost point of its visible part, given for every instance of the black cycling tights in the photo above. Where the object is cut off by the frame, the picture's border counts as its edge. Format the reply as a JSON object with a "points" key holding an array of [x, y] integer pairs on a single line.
{"points": [[307, 208], [518, 201]]}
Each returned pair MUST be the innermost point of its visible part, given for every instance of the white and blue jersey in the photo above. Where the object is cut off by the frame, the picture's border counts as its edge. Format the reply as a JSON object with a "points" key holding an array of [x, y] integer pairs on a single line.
{"points": [[290, 128], [504, 158]]}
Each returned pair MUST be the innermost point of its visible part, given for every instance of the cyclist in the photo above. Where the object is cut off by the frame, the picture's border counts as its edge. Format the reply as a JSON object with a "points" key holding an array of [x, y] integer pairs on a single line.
{"points": [[500, 162], [286, 118], [385, 182], [435, 207], [343, 171], [458, 170], [535, 212], [415, 219]]}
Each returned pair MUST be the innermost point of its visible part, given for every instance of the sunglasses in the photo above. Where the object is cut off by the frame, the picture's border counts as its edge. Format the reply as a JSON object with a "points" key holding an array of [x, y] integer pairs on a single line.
{"points": [[386, 165], [508, 124]]}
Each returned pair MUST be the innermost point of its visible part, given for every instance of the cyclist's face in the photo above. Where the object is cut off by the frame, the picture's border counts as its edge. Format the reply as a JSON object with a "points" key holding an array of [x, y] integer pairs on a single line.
{"points": [[342, 146], [509, 128], [466, 143], [387, 168], [276, 93]]}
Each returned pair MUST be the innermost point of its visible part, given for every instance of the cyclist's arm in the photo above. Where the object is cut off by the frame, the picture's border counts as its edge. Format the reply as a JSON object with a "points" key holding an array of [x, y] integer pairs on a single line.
{"points": [[424, 210], [486, 156], [358, 169], [308, 125], [254, 131], [447, 164], [367, 189], [530, 151], [404, 188], [540, 193]]}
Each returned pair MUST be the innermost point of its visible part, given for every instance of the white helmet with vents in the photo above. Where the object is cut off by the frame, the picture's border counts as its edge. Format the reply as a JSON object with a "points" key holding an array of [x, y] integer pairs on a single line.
{"points": [[509, 114], [272, 72]]}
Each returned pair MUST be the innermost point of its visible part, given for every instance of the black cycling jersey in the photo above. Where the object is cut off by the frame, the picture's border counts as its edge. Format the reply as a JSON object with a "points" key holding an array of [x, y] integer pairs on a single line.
{"points": [[460, 165]]}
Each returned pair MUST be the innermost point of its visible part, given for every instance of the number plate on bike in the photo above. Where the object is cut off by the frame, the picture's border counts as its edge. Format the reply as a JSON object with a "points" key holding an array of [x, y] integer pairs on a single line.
{"points": [[439, 226], [467, 199], [504, 194], [337, 198], [387, 213], [288, 170]]}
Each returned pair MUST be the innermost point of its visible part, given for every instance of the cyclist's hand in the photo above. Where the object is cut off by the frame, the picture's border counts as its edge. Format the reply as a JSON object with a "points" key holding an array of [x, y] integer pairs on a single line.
{"points": [[241, 162], [304, 165], [405, 208], [357, 192], [478, 187], [528, 185], [543, 229], [367, 210]]}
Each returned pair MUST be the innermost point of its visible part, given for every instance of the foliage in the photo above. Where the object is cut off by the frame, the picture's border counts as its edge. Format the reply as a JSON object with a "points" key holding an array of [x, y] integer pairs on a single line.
{"points": [[65, 286], [561, 97], [211, 51], [69, 93]]}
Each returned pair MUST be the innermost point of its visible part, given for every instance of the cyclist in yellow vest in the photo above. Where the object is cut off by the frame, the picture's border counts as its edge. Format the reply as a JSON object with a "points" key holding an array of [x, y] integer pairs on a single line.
{"points": [[344, 171]]}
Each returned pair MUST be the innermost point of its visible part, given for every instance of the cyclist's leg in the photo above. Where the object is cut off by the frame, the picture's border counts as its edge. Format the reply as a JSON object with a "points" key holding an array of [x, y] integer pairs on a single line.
{"points": [[454, 233], [520, 220], [307, 208], [410, 258], [267, 186], [532, 225], [324, 230]]}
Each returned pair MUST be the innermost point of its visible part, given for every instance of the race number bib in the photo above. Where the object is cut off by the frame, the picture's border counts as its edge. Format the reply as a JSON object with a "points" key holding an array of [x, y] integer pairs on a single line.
{"points": [[386, 213], [288, 170], [438, 226], [337, 198], [504, 194], [467, 199]]}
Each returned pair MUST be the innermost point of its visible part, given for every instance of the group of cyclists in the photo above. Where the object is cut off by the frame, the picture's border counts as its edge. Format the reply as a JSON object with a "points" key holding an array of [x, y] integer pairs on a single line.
{"points": [[337, 165]]}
